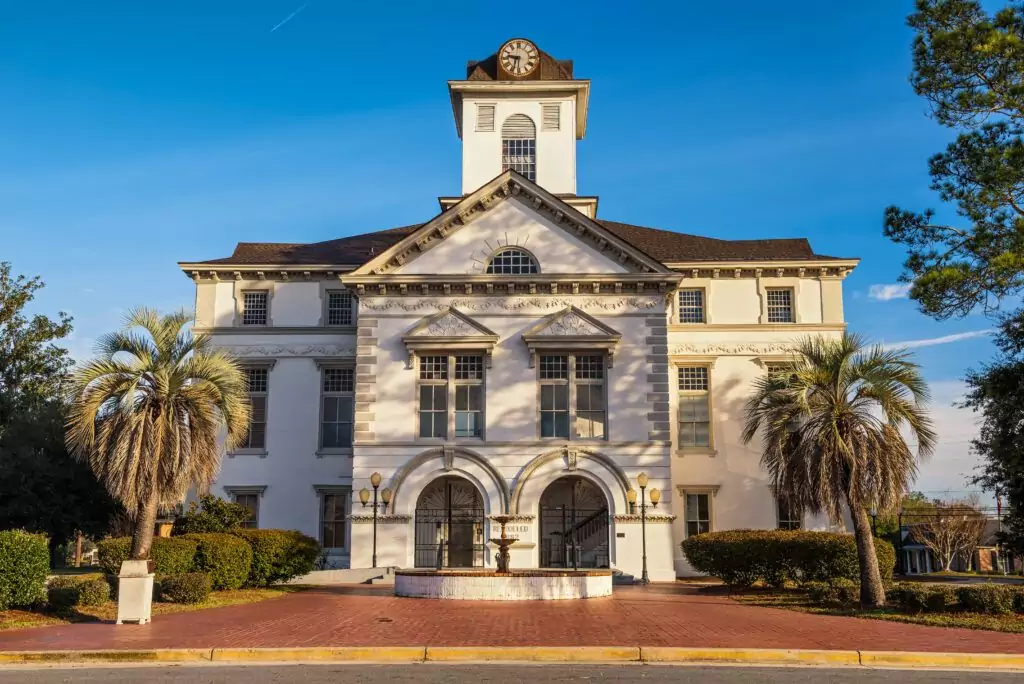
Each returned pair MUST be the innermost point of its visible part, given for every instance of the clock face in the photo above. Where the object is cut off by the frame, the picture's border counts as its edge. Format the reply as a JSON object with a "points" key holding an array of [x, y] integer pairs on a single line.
{"points": [[519, 57]]}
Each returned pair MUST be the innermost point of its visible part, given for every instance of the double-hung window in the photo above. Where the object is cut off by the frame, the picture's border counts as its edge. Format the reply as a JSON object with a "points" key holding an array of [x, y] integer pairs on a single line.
{"points": [[257, 386], [451, 396], [340, 308], [250, 498], [779, 301], [337, 397], [694, 415], [255, 306], [691, 305], [698, 513], [789, 517], [572, 396], [333, 508]]}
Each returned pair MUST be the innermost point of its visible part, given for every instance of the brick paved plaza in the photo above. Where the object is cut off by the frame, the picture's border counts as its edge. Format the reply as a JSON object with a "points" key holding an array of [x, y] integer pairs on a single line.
{"points": [[658, 615]]}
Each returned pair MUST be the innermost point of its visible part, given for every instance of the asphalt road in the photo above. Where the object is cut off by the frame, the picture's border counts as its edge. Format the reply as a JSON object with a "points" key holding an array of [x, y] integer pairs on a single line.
{"points": [[483, 674]]}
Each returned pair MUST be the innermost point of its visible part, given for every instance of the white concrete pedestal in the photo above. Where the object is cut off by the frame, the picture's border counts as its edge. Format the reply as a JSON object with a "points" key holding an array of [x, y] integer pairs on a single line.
{"points": [[134, 592]]}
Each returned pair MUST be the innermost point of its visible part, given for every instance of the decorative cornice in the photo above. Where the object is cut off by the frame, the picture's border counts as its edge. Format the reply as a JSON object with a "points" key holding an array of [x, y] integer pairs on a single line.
{"points": [[477, 305], [386, 519], [651, 518], [284, 351], [741, 349]]}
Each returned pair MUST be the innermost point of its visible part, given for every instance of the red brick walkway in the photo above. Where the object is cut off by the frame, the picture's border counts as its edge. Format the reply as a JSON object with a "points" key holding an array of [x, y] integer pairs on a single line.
{"points": [[667, 615]]}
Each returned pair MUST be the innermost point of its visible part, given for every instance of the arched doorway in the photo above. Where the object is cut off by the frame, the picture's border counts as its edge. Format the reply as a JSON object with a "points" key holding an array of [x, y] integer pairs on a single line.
{"points": [[573, 524], [450, 525]]}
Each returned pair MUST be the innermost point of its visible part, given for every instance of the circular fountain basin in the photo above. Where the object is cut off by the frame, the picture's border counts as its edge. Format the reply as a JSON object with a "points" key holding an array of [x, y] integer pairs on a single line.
{"points": [[515, 585]]}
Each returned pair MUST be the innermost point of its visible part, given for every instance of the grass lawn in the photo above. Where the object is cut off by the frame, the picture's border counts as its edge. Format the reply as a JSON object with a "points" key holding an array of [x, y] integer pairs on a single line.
{"points": [[17, 619], [794, 600]]}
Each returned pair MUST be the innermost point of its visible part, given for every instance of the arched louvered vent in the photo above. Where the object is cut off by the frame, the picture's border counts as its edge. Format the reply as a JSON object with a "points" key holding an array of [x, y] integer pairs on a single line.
{"points": [[518, 127], [519, 145]]}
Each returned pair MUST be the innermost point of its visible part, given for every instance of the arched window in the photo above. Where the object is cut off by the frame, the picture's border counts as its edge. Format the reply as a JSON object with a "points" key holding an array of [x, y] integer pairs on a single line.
{"points": [[512, 261], [519, 145]]}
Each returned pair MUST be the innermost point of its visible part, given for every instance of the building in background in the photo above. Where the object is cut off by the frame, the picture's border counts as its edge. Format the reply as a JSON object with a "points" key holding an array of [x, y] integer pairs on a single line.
{"points": [[516, 353]]}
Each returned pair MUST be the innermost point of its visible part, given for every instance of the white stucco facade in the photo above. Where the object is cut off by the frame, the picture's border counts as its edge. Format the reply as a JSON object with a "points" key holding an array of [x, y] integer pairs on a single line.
{"points": [[594, 295]]}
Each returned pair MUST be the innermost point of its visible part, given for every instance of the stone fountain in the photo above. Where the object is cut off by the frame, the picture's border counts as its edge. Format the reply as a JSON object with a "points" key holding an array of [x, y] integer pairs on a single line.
{"points": [[502, 583]]}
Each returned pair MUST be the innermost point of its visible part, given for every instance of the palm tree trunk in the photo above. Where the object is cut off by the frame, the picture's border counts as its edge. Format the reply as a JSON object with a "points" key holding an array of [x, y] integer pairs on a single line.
{"points": [[145, 520], [872, 593]]}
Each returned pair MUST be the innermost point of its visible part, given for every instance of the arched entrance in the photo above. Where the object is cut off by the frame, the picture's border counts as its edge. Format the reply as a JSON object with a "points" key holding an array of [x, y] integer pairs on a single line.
{"points": [[574, 524], [450, 525]]}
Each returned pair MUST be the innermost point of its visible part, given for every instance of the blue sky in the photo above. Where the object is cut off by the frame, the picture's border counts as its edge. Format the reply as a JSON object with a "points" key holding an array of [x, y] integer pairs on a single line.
{"points": [[134, 135]]}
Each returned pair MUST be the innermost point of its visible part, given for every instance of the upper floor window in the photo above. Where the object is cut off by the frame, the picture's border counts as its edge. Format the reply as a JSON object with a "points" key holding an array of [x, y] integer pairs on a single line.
{"points": [[691, 305], [780, 304], [512, 261], [340, 308], [519, 145], [337, 397], [254, 307], [573, 382], [694, 407], [438, 386], [257, 384]]}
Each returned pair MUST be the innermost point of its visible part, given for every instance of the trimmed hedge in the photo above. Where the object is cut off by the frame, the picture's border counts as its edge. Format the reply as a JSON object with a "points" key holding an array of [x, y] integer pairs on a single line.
{"points": [[279, 555], [66, 592], [227, 558], [24, 565], [914, 597], [171, 555], [743, 557], [190, 587], [993, 599]]}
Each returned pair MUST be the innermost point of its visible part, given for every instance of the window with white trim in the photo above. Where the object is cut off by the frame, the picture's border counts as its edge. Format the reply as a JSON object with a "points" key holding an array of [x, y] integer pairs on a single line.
{"points": [[469, 396], [789, 517], [333, 513], [779, 301], [254, 307], [340, 308], [257, 381], [519, 145], [451, 396], [337, 401], [691, 305], [698, 513], [251, 500], [572, 396], [694, 413], [433, 390], [512, 261]]}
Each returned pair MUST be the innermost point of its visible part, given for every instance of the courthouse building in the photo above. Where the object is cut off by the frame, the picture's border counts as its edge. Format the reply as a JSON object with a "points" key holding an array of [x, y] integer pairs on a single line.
{"points": [[517, 353]]}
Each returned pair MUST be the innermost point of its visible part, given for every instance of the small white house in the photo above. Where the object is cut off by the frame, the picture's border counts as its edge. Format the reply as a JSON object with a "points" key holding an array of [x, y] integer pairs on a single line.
{"points": [[516, 353]]}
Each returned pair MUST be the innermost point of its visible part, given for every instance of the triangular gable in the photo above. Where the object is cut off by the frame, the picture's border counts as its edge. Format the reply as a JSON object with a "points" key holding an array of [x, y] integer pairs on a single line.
{"points": [[449, 329], [507, 185], [571, 329]]}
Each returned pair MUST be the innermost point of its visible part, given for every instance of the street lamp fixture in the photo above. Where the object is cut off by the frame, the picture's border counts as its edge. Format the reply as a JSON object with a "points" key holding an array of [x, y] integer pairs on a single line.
{"points": [[631, 497], [364, 498]]}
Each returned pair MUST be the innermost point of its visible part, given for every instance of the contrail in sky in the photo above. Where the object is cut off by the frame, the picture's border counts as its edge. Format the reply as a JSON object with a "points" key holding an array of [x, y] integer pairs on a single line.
{"points": [[290, 17]]}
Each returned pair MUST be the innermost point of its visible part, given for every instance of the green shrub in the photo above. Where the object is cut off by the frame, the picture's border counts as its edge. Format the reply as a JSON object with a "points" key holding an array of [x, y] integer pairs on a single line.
{"points": [[845, 592], [279, 555], [916, 597], [818, 592], [62, 599], [93, 592], [190, 587], [211, 514], [65, 592], [227, 558], [170, 555], [24, 565], [1018, 600], [743, 557], [993, 599]]}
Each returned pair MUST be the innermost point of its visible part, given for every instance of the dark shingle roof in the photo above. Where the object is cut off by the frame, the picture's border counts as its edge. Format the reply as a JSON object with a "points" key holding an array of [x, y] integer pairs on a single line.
{"points": [[662, 245]]}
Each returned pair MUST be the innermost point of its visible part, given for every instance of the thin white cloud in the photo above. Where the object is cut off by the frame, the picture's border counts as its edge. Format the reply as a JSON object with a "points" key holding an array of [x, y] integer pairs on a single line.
{"points": [[884, 293], [945, 339]]}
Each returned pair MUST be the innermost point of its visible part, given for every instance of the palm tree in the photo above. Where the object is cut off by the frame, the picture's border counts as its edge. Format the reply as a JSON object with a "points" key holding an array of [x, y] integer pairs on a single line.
{"points": [[830, 429], [147, 412]]}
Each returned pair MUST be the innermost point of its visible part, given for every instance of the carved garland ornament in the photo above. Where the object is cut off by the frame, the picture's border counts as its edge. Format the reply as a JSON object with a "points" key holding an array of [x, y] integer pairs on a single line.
{"points": [[571, 324], [651, 518], [640, 303], [250, 351], [748, 348], [392, 518]]}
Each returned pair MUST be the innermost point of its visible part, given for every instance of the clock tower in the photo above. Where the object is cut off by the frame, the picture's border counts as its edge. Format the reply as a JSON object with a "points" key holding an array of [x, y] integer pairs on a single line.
{"points": [[521, 109]]}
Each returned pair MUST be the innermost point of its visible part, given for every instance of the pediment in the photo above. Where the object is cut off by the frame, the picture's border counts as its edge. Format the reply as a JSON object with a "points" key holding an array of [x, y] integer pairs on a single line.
{"points": [[616, 254], [571, 330], [449, 330]]}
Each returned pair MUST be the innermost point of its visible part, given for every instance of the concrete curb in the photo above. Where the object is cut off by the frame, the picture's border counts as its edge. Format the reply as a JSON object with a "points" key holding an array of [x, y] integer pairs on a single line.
{"points": [[529, 654]]}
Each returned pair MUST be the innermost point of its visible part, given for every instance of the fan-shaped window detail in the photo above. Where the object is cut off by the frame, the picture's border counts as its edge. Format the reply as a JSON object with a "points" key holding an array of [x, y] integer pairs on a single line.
{"points": [[519, 145], [512, 262]]}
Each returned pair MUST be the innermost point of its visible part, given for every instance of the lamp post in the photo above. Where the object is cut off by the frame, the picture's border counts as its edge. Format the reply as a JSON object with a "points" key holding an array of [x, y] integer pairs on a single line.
{"points": [[364, 498], [641, 480]]}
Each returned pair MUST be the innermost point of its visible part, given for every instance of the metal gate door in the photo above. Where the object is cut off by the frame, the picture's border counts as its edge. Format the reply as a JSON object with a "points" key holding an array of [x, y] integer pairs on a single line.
{"points": [[450, 535], [566, 531]]}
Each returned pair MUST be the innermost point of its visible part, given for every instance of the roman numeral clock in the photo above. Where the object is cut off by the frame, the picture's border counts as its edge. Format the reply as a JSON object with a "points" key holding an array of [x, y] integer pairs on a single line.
{"points": [[519, 58]]}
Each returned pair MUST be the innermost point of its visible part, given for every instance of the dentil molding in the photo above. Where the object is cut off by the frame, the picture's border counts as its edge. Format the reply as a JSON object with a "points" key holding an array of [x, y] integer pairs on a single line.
{"points": [[284, 350], [478, 304]]}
